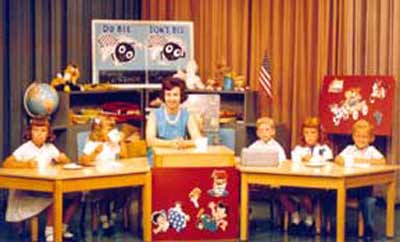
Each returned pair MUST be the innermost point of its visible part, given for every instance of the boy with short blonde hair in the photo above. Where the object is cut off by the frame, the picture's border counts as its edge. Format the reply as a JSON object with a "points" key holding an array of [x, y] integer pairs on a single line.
{"points": [[363, 152], [266, 134]]}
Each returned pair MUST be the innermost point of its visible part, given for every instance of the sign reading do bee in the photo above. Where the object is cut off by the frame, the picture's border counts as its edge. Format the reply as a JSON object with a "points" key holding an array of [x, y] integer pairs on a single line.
{"points": [[138, 52]]}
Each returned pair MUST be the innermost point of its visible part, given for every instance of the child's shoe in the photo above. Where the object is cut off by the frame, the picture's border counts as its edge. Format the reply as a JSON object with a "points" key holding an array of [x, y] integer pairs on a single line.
{"points": [[66, 233], [49, 233], [294, 227], [369, 233]]}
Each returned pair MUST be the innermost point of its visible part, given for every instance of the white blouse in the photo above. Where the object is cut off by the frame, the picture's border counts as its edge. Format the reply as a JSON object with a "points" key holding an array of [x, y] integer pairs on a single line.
{"points": [[319, 152], [109, 153], [369, 152], [23, 204]]}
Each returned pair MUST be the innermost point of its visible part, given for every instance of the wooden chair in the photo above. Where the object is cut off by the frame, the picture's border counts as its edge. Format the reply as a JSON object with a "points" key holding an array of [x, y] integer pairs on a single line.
{"points": [[353, 204], [264, 193]]}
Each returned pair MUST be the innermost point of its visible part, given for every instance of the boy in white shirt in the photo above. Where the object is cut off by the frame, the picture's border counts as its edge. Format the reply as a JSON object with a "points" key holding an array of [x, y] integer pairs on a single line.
{"points": [[363, 153]]}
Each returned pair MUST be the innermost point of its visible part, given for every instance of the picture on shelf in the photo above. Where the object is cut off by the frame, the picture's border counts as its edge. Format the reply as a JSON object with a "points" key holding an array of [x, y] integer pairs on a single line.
{"points": [[205, 108]]}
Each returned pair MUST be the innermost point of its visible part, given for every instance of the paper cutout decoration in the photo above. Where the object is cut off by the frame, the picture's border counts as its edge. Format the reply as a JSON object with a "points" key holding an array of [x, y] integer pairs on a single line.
{"points": [[352, 105], [214, 221], [177, 218], [220, 181], [159, 218], [194, 196]]}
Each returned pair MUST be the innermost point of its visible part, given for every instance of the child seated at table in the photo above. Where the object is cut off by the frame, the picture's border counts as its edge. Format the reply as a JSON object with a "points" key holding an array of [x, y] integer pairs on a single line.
{"points": [[266, 134], [37, 152], [104, 146], [362, 152], [313, 147]]}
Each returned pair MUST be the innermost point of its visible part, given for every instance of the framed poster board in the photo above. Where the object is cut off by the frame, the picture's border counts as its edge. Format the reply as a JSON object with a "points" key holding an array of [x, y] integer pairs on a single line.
{"points": [[139, 52], [346, 99]]}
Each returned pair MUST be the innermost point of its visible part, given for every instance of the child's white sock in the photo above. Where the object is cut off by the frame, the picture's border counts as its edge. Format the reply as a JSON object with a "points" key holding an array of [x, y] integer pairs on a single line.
{"points": [[309, 220], [295, 218], [113, 218], [66, 233], [49, 233], [104, 222]]}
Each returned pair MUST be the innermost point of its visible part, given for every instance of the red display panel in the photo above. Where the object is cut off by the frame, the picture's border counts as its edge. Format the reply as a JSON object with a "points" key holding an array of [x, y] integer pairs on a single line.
{"points": [[195, 203], [346, 99]]}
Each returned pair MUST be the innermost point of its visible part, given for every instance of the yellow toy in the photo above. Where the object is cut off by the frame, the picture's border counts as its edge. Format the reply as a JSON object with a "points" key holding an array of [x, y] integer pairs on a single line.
{"points": [[68, 81]]}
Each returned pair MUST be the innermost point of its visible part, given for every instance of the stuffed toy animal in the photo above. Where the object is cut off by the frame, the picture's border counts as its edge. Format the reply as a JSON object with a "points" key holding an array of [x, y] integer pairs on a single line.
{"points": [[68, 81], [192, 80]]}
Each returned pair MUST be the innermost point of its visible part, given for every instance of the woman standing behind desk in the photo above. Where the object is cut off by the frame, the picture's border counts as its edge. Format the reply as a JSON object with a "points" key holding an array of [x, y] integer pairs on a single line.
{"points": [[168, 125]]}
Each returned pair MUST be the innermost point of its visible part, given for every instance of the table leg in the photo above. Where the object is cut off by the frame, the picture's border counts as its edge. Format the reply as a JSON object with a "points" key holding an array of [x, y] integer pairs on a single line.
{"points": [[34, 228], [58, 205], [244, 208], [390, 211], [340, 213], [146, 203]]}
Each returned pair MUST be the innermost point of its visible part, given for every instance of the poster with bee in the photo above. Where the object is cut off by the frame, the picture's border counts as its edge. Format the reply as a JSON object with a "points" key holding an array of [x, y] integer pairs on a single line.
{"points": [[139, 52]]}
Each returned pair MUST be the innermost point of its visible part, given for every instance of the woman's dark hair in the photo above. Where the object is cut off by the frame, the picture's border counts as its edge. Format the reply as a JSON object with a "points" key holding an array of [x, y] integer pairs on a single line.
{"points": [[39, 122], [169, 83]]}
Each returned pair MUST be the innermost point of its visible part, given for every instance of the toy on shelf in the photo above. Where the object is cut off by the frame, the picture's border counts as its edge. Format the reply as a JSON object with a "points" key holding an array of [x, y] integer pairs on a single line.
{"points": [[225, 78], [216, 82], [68, 81], [239, 83], [192, 80]]}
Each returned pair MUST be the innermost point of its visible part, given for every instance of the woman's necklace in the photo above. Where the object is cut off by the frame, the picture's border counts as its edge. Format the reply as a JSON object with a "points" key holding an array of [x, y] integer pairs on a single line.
{"points": [[172, 122]]}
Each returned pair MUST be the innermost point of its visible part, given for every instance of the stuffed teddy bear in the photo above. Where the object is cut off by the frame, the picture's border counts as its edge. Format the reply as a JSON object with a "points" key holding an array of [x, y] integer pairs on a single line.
{"points": [[68, 81]]}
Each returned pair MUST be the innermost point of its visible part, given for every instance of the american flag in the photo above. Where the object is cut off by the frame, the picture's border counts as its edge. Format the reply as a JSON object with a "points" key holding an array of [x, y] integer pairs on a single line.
{"points": [[265, 79]]}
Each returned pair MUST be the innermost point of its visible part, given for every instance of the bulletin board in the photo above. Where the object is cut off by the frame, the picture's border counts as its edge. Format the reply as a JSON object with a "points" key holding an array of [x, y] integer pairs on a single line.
{"points": [[137, 52], [346, 99]]}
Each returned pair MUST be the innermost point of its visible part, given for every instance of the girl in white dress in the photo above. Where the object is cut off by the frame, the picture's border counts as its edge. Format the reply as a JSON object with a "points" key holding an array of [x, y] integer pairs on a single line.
{"points": [[37, 152], [313, 147], [102, 149]]}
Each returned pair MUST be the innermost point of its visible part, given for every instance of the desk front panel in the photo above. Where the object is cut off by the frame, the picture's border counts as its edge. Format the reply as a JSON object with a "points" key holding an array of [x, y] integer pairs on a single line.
{"points": [[185, 196]]}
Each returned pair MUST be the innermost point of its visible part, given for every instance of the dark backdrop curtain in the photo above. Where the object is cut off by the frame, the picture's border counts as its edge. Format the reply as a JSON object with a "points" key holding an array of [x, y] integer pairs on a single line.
{"points": [[38, 39]]}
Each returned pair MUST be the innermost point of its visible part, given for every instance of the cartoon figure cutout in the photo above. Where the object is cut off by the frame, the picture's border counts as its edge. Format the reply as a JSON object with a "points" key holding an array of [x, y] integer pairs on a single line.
{"points": [[159, 219], [217, 219], [121, 49], [352, 106], [220, 181], [378, 91], [194, 196], [164, 49], [177, 218]]}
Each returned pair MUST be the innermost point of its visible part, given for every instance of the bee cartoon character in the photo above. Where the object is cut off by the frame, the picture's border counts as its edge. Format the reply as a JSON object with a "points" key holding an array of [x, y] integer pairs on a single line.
{"points": [[124, 52], [172, 51], [164, 49], [121, 49]]}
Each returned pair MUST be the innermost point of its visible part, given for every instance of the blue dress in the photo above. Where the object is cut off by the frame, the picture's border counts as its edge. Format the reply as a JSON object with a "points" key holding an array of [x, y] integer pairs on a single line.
{"points": [[171, 130]]}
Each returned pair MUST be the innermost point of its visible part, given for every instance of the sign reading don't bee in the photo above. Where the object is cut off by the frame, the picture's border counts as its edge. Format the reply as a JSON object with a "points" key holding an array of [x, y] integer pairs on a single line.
{"points": [[138, 52]]}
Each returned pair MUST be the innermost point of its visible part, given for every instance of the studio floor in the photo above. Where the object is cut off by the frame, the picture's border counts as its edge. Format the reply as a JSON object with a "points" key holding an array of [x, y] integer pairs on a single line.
{"points": [[260, 229]]}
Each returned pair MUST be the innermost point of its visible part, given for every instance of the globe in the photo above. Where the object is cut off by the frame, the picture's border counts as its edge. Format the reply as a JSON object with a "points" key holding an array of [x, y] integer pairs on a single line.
{"points": [[40, 100]]}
